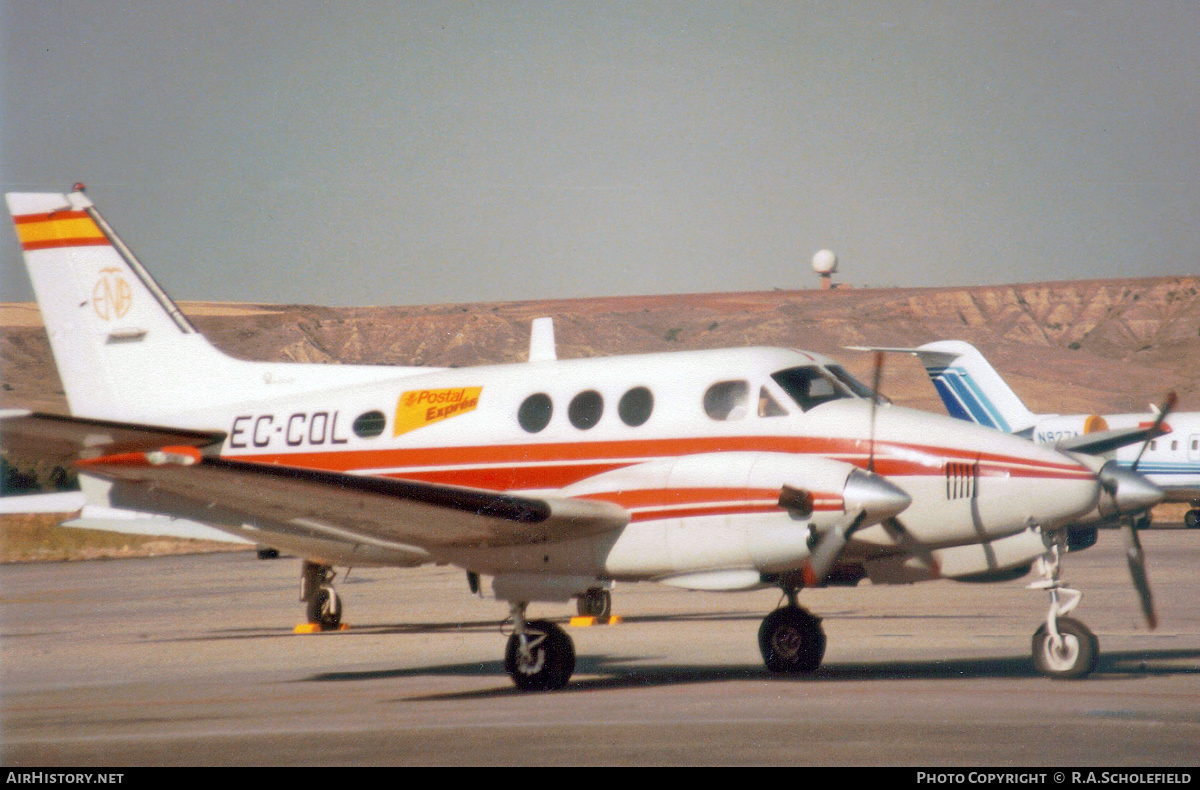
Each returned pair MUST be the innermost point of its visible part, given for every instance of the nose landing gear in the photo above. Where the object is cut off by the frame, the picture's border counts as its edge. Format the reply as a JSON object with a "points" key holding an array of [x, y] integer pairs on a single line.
{"points": [[1063, 647], [791, 638]]}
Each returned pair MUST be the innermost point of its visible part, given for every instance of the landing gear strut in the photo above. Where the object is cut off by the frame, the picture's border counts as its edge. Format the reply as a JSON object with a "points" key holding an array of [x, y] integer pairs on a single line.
{"points": [[324, 607], [539, 656], [791, 638], [1063, 647]]}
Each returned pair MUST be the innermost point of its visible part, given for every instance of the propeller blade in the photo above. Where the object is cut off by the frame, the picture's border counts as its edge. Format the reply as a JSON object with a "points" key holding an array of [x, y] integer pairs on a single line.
{"points": [[876, 377], [1137, 569], [1163, 411], [827, 550]]}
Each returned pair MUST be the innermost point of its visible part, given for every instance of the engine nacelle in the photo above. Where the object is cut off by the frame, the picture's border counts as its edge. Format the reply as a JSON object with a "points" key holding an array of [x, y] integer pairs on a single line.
{"points": [[1054, 429]]}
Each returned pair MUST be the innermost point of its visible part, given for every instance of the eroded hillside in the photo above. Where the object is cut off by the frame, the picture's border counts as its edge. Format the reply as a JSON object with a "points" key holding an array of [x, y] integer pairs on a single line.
{"points": [[1103, 345]]}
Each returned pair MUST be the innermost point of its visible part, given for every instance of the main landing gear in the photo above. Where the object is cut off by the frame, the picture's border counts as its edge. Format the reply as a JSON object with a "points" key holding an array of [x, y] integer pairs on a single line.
{"points": [[596, 602], [1063, 647], [539, 656], [323, 606], [1191, 519], [791, 638]]}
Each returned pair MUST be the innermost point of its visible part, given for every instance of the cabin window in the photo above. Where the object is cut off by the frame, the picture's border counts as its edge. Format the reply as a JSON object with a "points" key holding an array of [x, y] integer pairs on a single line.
{"points": [[369, 424], [535, 412], [585, 409], [809, 386], [726, 400], [635, 406], [768, 406]]}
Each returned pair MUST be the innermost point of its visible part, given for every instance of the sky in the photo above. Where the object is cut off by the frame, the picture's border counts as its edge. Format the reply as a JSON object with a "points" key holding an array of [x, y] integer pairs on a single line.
{"points": [[375, 153]]}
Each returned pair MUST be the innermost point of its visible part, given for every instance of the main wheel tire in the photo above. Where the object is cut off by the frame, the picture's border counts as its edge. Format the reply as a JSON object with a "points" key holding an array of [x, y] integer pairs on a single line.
{"points": [[1077, 656], [551, 657], [594, 603], [325, 608], [1191, 519], [791, 640]]}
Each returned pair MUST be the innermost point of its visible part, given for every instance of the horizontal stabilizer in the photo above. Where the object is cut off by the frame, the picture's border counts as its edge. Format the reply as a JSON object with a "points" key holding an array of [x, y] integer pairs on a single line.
{"points": [[128, 522], [58, 439], [59, 502]]}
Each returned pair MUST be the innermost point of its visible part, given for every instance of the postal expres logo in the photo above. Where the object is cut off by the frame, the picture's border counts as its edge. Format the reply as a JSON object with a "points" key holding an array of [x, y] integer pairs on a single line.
{"points": [[418, 408]]}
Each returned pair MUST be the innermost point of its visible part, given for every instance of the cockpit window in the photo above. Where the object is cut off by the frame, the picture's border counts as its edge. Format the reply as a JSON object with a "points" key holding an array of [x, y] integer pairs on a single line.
{"points": [[726, 400], [853, 384], [810, 386], [768, 406]]}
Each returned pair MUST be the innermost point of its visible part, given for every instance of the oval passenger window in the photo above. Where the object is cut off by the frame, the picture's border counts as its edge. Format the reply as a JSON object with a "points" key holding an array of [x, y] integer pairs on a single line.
{"points": [[635, 406], [535, 411], [585, 409], [369, 425]]}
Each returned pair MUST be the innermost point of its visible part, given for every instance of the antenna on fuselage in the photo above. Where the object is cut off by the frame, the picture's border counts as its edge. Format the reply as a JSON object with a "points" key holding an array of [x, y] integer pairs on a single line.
{"points": [[541, 341], [876, 377]]}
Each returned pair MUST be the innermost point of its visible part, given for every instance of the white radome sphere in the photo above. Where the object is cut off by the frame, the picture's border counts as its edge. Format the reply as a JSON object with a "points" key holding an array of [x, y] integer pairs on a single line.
{"points": [[824, 262]]}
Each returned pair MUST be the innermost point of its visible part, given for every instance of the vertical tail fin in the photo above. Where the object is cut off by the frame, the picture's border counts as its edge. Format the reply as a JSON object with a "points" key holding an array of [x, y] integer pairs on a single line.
{"points": [[971, 389], [123, 348], [113, 330]]}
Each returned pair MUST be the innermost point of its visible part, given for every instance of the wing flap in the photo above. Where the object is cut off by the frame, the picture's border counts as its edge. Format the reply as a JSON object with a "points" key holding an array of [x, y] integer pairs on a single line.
{"points": [[349, 507]]}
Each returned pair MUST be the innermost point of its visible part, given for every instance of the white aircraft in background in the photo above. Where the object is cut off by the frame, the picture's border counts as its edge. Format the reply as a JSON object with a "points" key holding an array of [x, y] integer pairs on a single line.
{"points": [[972, 390], [728, 469]]}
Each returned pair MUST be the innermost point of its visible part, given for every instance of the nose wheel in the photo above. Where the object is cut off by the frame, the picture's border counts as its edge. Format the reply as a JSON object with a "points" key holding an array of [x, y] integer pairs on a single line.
{"points": [[1063, 647], [791, 640], [1071, 653]]}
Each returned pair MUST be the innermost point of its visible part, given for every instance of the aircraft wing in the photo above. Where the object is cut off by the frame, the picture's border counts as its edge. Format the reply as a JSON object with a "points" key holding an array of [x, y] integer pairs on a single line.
{"points": [[349, 508], [1100, 442]]}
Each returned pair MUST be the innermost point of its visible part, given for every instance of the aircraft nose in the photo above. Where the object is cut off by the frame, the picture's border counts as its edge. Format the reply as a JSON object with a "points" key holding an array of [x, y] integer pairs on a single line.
{"points": [[877, 497], [1126, 491]]}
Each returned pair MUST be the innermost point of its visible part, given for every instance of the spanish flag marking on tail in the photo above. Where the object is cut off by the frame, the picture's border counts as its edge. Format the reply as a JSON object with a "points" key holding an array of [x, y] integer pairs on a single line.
{"points": [[58, 229]]}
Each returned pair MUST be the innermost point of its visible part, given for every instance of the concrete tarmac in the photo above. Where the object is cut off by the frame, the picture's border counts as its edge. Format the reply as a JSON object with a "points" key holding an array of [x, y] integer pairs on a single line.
{"points": [[182, 661]]}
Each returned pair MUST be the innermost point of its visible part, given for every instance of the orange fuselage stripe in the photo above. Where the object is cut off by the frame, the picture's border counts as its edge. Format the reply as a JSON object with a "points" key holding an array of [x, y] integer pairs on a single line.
{"points": [[556, 465]]}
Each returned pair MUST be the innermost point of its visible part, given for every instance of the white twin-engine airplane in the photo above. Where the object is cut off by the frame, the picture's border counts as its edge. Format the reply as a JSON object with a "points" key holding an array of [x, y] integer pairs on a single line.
{"points": [[972, 390], [713, 470]]}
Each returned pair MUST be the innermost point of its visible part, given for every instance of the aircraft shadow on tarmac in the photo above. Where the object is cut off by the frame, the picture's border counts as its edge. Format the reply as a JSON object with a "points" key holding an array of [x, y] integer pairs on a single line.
{"points": [[602, 673], [376, 629]]}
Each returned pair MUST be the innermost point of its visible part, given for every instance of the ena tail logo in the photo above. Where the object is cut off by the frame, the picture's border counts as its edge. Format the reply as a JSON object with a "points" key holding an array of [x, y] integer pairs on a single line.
{"points": [[112, 296], [418, 408]]}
